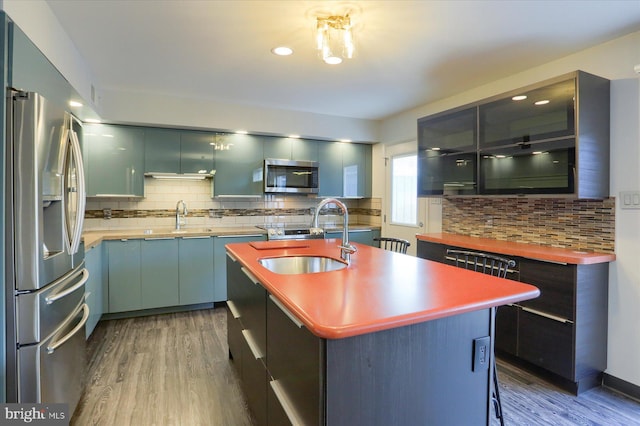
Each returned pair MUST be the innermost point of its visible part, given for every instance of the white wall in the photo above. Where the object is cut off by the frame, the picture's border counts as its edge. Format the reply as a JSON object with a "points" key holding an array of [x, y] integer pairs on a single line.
{"points": [[614, 60]]}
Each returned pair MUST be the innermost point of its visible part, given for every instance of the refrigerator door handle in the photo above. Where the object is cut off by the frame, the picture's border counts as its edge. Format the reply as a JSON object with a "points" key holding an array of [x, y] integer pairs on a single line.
{"points": [[79, 222], [58, 296], [56, 343]]}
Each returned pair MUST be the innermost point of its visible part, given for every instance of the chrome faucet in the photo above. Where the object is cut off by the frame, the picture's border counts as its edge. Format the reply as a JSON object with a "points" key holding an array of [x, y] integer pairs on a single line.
{"points": [[346, 249], [181, 214]]}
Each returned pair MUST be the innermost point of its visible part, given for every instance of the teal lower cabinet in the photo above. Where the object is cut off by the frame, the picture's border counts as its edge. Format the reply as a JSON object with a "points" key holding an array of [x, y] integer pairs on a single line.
{"points": [[125, 292], [196, 270], [358, 236], [96, 290], [159, 283], [220, 261]]}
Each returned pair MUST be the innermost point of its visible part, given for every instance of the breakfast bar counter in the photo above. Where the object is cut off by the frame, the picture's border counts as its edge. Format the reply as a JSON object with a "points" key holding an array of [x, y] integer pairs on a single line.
{"points": [[388, 339]]}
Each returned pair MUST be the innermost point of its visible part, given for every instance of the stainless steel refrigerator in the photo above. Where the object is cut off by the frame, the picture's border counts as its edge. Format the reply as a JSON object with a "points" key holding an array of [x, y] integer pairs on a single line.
{"points": [[45, 274]]}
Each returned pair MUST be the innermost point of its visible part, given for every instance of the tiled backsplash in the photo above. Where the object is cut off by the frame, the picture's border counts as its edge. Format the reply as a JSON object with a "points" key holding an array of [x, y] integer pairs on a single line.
{"points": [[555, 222], [158, 208]]}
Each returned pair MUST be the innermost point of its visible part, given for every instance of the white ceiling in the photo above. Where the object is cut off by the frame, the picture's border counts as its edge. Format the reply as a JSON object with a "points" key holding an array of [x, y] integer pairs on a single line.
{"points": [[409, 53]]}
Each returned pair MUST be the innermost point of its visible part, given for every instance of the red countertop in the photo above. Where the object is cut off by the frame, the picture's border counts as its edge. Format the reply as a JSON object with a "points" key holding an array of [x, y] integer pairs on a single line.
{"points": [[531, 251], [379, 290]]}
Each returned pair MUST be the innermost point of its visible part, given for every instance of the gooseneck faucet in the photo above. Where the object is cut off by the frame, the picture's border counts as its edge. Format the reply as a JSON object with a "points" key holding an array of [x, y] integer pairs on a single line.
{"points": [[346, 249], [181, 214]]}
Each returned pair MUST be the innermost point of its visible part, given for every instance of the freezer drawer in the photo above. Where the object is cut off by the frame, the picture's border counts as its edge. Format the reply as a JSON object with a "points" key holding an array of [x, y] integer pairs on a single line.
{"points": [[54, 370], [39, 313]]}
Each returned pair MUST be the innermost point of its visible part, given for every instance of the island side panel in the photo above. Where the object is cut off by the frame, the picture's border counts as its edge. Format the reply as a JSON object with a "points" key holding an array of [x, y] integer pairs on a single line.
{"points": [[418, 374]]}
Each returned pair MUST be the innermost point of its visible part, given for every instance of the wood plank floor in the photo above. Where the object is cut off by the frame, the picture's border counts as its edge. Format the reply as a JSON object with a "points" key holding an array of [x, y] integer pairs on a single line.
{"points": [[173, 369]]}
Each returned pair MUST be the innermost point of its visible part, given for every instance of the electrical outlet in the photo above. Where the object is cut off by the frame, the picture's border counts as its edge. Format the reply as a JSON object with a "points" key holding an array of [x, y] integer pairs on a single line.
{"points": [[481, 353], [106, 213]]}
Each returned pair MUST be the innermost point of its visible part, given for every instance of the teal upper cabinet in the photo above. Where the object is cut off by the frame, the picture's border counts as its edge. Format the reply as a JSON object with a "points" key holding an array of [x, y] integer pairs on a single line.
{"points": [[279, 148], [356, 170], [196, 152], [238, 165], [161, 151], [304, 149], [172, 151], [330, 169], [291, 149], [114, 160], [345, 169]]}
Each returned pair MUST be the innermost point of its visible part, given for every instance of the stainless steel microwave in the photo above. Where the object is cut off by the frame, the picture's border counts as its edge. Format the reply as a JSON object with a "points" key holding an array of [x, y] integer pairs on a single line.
{"points": [[290, 176]]}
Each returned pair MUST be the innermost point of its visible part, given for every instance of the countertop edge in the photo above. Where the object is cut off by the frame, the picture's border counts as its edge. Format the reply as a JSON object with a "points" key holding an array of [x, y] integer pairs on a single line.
{"points": [[531, 251]]}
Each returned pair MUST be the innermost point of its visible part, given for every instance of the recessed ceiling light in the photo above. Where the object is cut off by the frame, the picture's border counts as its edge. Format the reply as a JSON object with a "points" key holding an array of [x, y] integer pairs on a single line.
{"points": [[542, 102], [519, 98], [333, 60], [75, 104], [282, 51]]}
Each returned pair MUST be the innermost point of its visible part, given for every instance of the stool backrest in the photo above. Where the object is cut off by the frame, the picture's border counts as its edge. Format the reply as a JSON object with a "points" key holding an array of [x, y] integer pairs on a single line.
{"points": [[393, 244], [482, 262]]}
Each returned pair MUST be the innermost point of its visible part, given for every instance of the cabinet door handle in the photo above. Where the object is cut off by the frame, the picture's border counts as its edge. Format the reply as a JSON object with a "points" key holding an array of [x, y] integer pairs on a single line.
{"points": [[286, 403], [233, 309], [250, 276], [240, 236], [231, 257], [159, 238], [201, 237], [286, 311], [253, 346], [546, 315]]}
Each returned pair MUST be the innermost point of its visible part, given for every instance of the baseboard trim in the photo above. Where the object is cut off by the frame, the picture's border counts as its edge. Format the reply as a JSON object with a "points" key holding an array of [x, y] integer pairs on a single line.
{"points": [[621, 386], [156, 311]]}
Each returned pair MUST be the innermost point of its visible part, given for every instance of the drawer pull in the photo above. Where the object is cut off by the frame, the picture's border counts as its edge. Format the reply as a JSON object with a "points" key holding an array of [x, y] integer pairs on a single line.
{"points": [[159, 238], [231, 257], [286, 404], [546, 315], [200, 237], [286, 311], [253, 346], [233, 309], [250, 276], [240, 236]]}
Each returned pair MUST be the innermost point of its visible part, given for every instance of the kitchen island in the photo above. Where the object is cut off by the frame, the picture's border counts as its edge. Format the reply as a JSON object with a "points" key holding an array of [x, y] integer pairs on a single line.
{"points": [[390, 339]]}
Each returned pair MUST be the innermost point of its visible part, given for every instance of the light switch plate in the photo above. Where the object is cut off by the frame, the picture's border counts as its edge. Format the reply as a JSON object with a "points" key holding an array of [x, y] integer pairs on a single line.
{"points": [[630, 200]]}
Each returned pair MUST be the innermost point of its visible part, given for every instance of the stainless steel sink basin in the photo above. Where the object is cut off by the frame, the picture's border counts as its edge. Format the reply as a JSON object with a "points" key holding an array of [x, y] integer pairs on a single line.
{"points": [[301, 264]]}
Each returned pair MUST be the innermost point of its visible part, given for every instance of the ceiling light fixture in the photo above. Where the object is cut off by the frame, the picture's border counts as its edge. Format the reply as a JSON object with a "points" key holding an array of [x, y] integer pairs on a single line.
{"points": [[519, 98], [334, 39], [282, 51], [542, 102], [75, 104]]}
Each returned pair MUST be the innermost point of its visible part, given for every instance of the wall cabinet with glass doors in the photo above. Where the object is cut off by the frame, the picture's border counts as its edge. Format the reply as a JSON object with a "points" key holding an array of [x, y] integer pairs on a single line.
{"points": [[548, 138]]}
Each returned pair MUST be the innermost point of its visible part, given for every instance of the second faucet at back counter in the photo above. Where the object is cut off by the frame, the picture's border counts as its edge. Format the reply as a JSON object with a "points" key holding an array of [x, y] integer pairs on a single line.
{"points": [[346, 249]]}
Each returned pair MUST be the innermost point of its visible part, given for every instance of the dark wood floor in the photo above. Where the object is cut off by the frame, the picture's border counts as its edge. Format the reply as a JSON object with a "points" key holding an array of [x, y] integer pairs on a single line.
{"points": [[173, 369]]}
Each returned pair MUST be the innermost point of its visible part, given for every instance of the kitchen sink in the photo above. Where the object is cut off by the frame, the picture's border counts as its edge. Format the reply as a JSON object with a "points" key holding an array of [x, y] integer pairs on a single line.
{"points": [[301, 264]]}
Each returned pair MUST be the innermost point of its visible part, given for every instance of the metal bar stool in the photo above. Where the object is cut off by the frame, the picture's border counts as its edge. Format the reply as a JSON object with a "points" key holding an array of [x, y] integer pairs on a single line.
{"points": [[393, 244], [496, 266]]}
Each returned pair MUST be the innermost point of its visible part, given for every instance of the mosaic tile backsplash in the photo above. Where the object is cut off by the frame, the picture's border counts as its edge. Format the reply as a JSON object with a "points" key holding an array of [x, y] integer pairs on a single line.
{"points": [[157, 209], [555, 222]]}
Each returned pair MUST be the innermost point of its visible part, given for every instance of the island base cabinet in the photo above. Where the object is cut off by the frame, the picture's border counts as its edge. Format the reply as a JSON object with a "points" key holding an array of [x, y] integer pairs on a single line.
{"points": [[415, 375]]}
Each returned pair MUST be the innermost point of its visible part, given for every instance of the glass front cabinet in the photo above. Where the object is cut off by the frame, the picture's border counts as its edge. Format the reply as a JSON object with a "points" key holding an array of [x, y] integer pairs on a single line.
{"points": [[548, 138]]}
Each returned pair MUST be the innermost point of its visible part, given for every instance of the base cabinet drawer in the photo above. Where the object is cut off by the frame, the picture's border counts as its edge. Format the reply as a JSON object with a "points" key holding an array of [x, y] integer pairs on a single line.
{"points": [[254, 384], [507, 329], [547, 343], [234, 339]]}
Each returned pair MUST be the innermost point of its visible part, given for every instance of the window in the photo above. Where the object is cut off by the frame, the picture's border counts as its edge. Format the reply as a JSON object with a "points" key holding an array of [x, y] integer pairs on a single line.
{"points": [[404, 195]]}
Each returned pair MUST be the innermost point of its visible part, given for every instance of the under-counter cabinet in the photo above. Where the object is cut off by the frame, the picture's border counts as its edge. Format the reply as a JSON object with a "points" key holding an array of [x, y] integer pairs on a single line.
{"points": [[159, 285], [196, 270], [125, 292], [96, 290], [114, 160], [220, 261], [564, 331], [364, 236]]}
